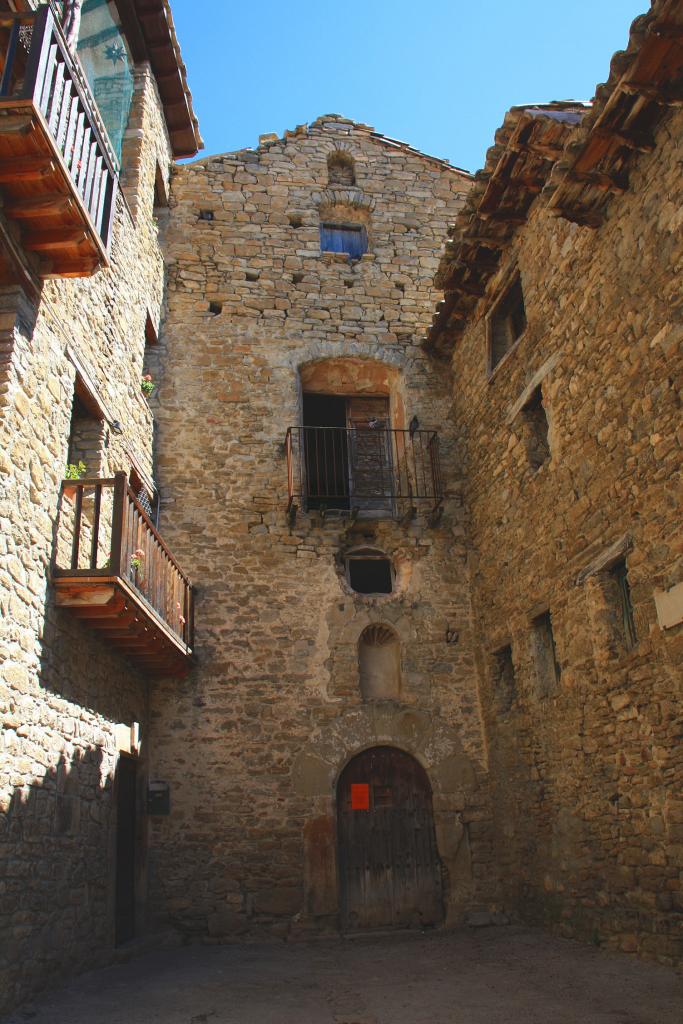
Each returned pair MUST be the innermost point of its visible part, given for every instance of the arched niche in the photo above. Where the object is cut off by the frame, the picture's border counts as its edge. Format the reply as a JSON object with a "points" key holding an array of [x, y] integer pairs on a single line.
{"points": [[350, 375], [379, 663], [341, 169]]}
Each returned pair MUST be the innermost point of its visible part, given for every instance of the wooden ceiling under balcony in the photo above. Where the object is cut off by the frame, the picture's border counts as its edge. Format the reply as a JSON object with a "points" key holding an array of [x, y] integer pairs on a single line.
{"points": [[58, 177]]}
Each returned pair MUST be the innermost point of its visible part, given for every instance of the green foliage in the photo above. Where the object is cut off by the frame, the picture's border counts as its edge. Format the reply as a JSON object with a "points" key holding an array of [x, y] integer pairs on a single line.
{"points": [[147, 385], [75, 470]]}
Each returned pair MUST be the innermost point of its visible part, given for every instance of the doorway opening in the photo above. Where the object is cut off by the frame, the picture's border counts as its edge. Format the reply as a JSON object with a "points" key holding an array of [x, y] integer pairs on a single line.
{"points": [[348, 452], [389, 867], [126, 822]]}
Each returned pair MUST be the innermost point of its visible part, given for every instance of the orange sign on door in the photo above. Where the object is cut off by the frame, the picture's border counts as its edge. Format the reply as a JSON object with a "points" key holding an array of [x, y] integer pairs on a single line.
{"points": [[360, 796]]}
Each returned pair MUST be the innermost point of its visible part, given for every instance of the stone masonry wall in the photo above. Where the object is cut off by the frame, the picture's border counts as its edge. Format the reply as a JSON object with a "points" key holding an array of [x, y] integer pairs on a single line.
{"points": [[587, 777], [253, 741], [62, 690]]}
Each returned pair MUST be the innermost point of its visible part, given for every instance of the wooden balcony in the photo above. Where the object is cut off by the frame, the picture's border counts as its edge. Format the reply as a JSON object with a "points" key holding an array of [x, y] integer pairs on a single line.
{"points": [[111, 568], [58, 173], [363, 471]]}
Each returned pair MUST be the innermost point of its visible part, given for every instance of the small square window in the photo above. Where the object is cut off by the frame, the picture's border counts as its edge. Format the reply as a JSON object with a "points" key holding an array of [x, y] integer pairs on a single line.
{"points": [[506, 323], [370, 575], [351, 239]]}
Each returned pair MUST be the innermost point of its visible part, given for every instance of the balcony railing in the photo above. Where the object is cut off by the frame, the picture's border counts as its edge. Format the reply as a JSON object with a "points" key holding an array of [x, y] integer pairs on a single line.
{"points": [[58, 173], [363, 470], [111, 567]]}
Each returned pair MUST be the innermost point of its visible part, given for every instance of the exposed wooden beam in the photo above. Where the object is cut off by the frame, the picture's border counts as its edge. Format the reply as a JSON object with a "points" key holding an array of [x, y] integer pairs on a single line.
{"points": [[55, 239], [42, 206], [26, 168]]}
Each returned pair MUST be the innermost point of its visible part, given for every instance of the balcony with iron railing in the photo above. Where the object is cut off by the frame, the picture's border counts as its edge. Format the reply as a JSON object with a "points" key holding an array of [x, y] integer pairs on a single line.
{"points": [[58, 173], [111, 568], [363, 471]]}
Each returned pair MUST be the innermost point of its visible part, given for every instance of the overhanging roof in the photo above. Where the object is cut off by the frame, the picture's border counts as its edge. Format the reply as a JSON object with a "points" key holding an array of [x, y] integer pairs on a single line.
{"points": [[151, 35]]}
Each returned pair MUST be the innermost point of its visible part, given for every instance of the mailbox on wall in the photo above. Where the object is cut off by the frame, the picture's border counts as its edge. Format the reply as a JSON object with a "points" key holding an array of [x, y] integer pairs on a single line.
{"points": [[158, 798]]}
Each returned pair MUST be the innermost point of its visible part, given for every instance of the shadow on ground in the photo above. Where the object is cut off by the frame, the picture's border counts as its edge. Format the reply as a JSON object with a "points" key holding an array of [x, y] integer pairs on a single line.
{"points": [[487, 976]]}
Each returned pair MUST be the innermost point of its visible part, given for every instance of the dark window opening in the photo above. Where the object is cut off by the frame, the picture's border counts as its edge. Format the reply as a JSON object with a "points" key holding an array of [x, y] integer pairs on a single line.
{"points": [[151, 334], [297, 278], [507, 323], [252, 275], [160, 188], [215, 308], [624, 605], [547, 665], [503, 671], [205, 215], [295, 220], [351, 239], [341, 170], [536, 429], [370, 575], [347, 452]]}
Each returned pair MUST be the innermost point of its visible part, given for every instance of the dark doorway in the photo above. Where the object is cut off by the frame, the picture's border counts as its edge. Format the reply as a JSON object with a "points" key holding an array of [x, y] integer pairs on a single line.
{"points": [[126, 777], [326, 451], [347, 452], [389, 868]]}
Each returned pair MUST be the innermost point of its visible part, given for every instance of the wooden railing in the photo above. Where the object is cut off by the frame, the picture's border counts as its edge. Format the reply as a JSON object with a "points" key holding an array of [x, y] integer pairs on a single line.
{"points": [[362, 469], [104, 532], [52, 79]]}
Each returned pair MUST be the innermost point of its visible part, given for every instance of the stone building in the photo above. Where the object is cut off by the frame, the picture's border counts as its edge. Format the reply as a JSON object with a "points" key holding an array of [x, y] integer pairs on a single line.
{"points": [[562, 327], [72, 357], [437, 572], [299, 426]]}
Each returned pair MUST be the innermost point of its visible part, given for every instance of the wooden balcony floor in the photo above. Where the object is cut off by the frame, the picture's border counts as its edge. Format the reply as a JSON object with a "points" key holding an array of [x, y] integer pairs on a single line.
{"points": [[125, 620], [41, 197]]}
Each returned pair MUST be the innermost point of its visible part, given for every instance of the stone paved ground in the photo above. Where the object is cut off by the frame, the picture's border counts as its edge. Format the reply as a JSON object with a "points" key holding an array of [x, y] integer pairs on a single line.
{"points": [[493, 976]]}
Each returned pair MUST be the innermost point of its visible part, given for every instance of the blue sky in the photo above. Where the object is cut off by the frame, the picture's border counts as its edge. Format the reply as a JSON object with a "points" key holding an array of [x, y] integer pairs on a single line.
{"points": [[436, 74]]}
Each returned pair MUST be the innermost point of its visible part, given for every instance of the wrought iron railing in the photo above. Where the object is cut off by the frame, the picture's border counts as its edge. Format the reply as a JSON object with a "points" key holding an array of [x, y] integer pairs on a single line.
{"points": [[362, 469], [103, 532], [38, 66]]}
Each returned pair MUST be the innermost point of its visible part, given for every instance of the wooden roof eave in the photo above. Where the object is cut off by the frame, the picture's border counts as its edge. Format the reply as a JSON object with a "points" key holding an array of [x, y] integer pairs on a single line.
{"points": [[645, 81]]}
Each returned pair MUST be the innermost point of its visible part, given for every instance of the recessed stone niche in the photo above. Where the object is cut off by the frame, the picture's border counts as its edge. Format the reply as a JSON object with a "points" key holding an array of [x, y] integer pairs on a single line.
{"points": [[379, 663]]}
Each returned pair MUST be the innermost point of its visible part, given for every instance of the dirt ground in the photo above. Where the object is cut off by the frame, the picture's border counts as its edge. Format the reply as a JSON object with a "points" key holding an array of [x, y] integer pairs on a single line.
{"points": [[485, 976]]}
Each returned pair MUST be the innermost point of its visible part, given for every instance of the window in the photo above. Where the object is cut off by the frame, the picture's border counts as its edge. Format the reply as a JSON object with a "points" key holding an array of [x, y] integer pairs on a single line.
{"points": [[506, 323], [351, 239], [86, 431], [620, 594], [369, 572], [503, 677], [536, 429], [545, 654], [340, 170]]}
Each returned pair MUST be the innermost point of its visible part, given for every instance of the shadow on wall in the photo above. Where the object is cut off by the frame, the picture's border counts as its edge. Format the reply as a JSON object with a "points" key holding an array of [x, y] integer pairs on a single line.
{"points": [[55, 878]]}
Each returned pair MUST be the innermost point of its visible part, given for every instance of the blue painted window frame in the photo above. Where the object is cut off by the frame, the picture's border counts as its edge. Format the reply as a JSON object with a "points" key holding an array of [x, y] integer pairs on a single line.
{"points": [[351, 239]]}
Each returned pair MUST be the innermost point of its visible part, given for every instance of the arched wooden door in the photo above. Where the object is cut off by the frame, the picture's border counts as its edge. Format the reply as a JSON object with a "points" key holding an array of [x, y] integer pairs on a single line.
{"points": [[389, 868]]}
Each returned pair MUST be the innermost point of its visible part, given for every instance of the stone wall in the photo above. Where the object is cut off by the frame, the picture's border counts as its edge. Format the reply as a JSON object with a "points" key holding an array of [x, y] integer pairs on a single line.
{"points": [[587, 772], [252, 743], [63, 691]]}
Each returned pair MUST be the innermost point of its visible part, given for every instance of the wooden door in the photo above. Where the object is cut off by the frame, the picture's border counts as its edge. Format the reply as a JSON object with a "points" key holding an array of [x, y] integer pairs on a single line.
{"points": [[126, 773], [389, 868], [370, 454]]}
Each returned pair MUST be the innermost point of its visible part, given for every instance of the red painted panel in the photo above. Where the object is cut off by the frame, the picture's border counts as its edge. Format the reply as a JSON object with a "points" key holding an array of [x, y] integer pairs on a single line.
{"points": [[360, 796]]}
